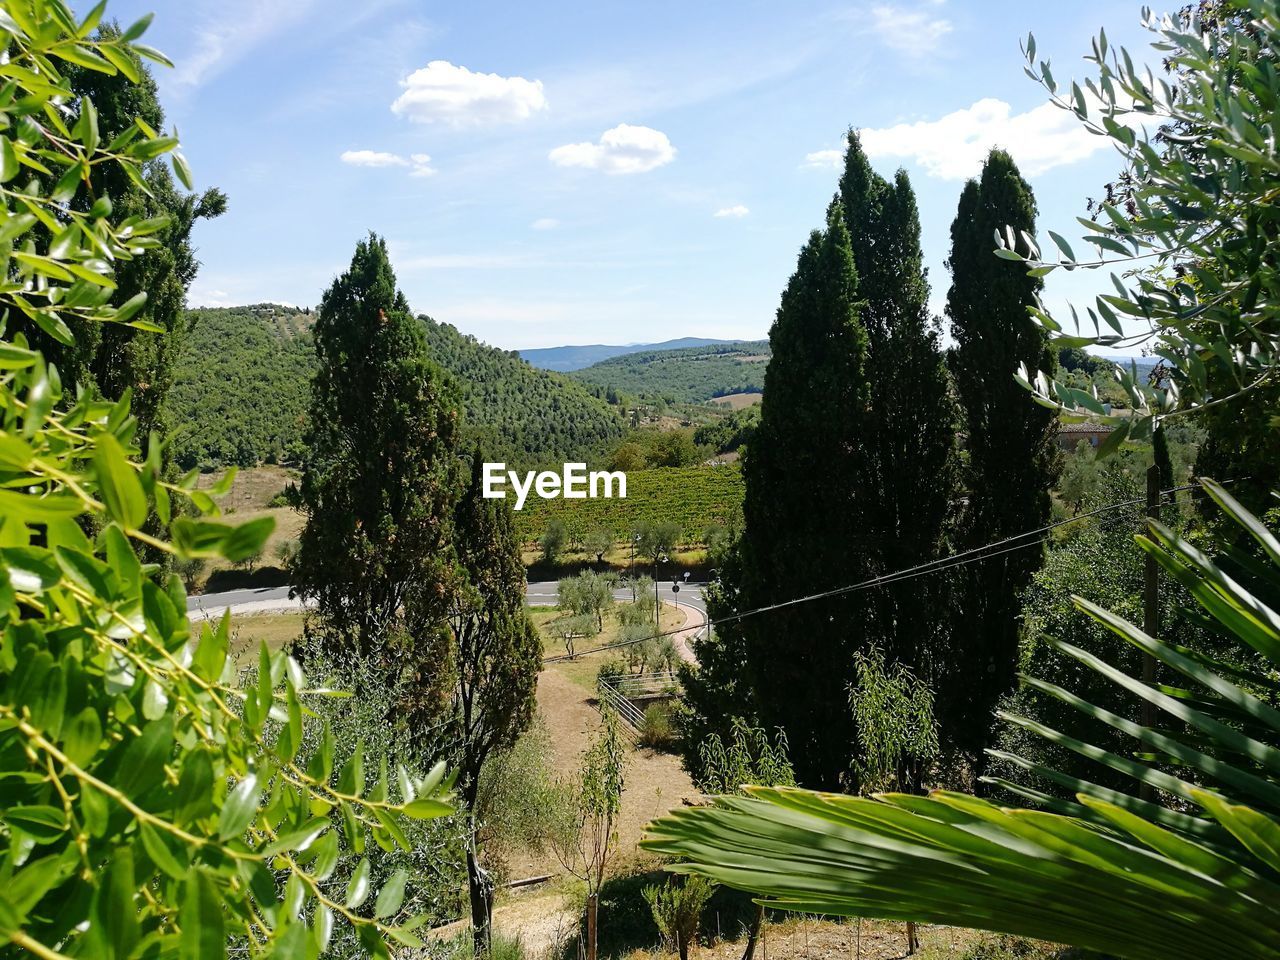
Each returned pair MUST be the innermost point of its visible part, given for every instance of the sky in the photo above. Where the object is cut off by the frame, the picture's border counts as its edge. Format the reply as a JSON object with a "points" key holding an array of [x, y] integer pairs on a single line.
{"points": [[551, 173]]}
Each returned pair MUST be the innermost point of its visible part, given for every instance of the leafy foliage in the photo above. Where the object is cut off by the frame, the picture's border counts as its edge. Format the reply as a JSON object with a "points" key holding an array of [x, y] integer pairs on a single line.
{"points": [[152, 805], [677, 910], [1091, 872], [1185, 237], [687, 375]]}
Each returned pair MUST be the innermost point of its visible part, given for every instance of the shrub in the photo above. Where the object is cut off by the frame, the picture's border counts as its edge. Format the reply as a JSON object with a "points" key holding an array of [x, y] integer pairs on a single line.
{"points": [[611, 672], [677, 910], [554, 539], [658, 729]]}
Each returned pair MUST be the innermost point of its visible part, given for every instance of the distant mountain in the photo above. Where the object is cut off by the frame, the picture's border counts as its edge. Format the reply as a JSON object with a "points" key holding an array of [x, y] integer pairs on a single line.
{"points": [[564, 359], [687, 375], [242, 387]]}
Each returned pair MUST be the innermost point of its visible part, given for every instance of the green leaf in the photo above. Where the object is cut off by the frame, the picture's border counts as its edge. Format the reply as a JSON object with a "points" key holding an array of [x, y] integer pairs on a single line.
{"points": [[391, 896], [358, 886], [166, 852], [424, 808], [117, 915], [34, 509], [143, 763], [202, 919], [82, 736], [45, 823], [239, 809], [119, 484]]}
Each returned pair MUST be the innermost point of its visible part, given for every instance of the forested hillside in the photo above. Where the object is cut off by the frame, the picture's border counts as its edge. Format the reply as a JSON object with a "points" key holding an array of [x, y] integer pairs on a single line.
{"points": [[523, 415], [690, 375], [566, 358], [243, 383], [241, 386]]}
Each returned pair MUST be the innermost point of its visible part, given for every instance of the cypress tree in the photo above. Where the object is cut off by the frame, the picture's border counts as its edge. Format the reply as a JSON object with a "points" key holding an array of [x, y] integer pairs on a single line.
{"points": [[379, 484], [497, 655], [909, 458], [1013, 459], [802, 529]]}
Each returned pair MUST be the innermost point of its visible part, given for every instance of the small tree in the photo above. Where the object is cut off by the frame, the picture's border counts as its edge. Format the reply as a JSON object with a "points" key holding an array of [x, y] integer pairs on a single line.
{"points": [[571, 628], [554, 539], [656, 539], [749, 757], [598, 542], [677, 910], [897, 736], [590, 838], [587, 594]]}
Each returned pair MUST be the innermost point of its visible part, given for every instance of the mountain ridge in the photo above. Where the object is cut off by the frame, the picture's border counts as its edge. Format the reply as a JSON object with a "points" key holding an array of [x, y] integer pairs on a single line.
{"points": [[569, 357]]}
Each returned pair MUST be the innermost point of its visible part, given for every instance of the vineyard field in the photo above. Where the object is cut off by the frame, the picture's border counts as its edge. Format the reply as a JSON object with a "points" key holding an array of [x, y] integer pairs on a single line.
{"points": [[693, 497]]}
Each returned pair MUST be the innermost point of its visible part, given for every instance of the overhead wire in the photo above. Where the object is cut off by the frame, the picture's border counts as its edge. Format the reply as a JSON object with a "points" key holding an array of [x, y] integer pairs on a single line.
{"points": [[972, 555]]}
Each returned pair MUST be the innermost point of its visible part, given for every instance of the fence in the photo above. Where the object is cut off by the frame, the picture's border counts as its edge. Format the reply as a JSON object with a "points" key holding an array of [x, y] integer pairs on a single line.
{"points": [[628, 695]]}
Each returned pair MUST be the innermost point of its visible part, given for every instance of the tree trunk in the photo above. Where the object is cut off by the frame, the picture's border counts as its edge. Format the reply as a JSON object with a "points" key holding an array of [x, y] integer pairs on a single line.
{"points": [[913, 942], [754, 933], [593, 900], [480, 887]]}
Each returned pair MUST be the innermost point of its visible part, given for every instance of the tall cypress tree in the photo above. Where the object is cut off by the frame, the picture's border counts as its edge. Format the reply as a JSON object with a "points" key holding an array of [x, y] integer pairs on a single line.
{"points": [[379, 483], [802, 529], [497, 655], [1013, 459], [909, 461]]}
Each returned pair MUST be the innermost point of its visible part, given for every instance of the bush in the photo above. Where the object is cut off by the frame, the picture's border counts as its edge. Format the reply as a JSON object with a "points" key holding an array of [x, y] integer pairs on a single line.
{"points": [[658, 729], [677, 910], [554, 539], [611, 672]]}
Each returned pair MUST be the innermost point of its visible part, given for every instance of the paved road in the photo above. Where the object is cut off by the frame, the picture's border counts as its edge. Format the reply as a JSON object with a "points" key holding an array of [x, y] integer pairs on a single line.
{"points": [[277, 599]]}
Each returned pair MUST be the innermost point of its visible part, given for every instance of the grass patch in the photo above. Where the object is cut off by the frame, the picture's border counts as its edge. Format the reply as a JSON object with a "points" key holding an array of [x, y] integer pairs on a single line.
{"points": [[248, 631]]}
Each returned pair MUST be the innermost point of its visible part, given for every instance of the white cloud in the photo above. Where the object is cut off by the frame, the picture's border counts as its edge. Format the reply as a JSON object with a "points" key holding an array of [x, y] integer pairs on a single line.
{"points": [[954, 146], [545, 223], [823, 159], [912, 32], [624, 149], [373, 158], [442, 92], [230, 30], [419, 163], [737, 211]]}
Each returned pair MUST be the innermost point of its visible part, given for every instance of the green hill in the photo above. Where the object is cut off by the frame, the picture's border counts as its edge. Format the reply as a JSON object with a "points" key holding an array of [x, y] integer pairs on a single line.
{"points": [[524, 416], [242, 388], [689, 375]]}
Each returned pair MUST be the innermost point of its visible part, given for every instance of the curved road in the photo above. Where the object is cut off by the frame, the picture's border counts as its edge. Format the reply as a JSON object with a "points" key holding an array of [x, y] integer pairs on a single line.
{"points": [[277, 599]]}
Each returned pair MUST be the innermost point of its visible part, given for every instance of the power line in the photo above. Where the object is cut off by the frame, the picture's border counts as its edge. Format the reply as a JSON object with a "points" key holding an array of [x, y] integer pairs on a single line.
{"points": [[973, 555]]}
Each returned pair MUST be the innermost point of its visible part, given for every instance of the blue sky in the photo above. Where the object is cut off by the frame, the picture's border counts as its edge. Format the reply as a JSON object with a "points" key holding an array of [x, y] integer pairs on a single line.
{"points": [[551, 173]]}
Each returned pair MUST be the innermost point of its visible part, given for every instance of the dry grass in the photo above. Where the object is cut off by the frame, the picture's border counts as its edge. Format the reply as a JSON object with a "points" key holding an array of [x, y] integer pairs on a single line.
{"points": [[248, 631], [250, 492], [736, 401]]}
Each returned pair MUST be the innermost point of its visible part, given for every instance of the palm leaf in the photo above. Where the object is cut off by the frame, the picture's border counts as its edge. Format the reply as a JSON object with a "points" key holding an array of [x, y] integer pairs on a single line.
{"points": [[1111, 872]]}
